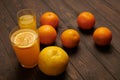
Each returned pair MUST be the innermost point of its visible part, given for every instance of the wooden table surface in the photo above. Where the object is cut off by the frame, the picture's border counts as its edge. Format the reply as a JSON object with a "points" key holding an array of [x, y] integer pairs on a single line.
{"points": [[87, 61]]}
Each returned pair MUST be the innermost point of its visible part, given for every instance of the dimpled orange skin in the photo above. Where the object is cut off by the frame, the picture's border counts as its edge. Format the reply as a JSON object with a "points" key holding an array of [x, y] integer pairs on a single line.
{"points": [[47, 34], [70, 38], [49, 18], [53, 60], [86, 20], [102, 36]]}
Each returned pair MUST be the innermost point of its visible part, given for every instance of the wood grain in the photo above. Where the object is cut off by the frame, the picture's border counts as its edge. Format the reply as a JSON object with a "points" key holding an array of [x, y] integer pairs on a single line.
{"points": [[87, 61]]}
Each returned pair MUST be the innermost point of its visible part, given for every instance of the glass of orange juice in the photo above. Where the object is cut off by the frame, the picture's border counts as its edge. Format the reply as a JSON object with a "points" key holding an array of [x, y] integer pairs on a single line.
{"points": [[26, 19], [25, 43]]}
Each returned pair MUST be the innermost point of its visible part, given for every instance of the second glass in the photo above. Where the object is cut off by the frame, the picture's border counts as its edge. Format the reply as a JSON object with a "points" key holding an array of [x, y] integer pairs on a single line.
{"points": [[26, 19]]}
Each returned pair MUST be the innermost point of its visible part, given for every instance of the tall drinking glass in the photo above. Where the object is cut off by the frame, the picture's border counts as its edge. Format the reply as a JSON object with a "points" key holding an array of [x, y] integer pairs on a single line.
{"points": [[25, 43], [26, 19]]}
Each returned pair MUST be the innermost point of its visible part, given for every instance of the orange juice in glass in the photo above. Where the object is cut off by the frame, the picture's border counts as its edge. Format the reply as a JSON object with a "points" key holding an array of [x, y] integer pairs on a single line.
{"points": [[25, 43], [26, 19]]}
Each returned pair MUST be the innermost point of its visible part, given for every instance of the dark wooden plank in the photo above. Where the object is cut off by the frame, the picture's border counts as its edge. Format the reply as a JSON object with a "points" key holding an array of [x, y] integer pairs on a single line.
{"points": [[112, 60], [114, 54], [6, 24], [87, 61], [4, 63], [108, 13], [12, 8], [114, 5]]}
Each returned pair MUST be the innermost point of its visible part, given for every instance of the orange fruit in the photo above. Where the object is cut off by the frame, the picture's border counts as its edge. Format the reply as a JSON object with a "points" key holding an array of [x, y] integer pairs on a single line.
{"points": [[49, 18], [102, 36], [86, 20], [47, 34], [53, 60], [70, 38]]}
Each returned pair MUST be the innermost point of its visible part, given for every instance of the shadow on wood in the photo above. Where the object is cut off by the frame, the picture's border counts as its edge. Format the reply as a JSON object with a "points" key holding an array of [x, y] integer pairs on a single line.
{"points": [[42, 76], [87, 32], [104, 49]]}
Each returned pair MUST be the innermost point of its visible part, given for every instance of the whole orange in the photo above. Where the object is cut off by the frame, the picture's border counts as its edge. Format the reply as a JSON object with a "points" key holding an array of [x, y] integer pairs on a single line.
{"points": [[102, 36], [47, 34], [70, 38], [53, 60], [86, 20], [49, 18]]}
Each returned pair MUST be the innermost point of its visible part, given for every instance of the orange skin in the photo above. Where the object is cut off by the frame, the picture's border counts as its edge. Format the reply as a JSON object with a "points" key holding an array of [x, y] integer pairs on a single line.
{"points": [[70, 38], [49, 18], [53, 60], [86, 20], [47, 34], [102, 36]]}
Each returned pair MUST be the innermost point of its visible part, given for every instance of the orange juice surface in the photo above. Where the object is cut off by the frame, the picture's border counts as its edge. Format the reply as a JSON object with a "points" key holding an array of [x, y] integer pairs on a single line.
{"points": [[27, 21], [26, 46]]}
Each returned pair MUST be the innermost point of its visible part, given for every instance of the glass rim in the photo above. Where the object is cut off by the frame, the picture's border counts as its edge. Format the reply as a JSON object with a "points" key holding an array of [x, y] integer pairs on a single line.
{"points": [[20, 11], [12, 31], [16, 30]]}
